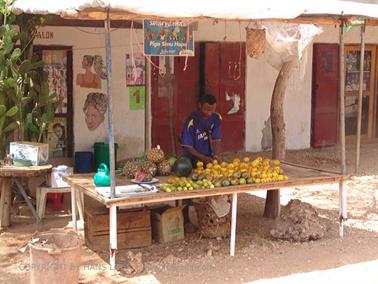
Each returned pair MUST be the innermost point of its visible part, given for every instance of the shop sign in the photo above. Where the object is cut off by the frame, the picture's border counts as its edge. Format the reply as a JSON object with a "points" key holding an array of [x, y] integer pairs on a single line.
{"points": [[172, 38]]}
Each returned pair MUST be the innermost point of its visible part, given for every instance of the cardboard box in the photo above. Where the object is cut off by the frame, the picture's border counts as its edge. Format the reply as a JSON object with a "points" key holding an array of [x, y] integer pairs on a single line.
{"points": [[133, 228], [36, 153], [168, 224]]}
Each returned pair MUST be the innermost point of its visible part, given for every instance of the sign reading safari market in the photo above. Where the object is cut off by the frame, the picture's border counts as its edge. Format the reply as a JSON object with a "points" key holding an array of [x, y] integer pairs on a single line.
{"points": [[172, 38]]}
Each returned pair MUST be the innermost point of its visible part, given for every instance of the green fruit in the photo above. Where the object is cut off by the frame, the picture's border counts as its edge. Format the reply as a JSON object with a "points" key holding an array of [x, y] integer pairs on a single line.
{"points": [[226, 182], [245, 175], [234, 181], [171, 160], [250, 180], [217, 184], [236, 175], [182, 167], [242, 181], [194, 177]]}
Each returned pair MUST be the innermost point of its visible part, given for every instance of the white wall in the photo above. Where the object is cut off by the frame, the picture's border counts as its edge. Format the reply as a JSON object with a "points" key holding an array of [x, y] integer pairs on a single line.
{"points": [[260, 79], [128, 124]]}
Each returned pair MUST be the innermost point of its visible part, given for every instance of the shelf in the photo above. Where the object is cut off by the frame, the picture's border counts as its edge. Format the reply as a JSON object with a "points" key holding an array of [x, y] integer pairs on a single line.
{"points": [[358, 71]]}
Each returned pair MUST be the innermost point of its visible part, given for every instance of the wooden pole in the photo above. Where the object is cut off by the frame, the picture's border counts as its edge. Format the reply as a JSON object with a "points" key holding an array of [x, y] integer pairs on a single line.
{"points": [[5, 202], [169, 82], [110, 105], [342, 194], [234, 213], [359, 117], [342, 99], [113, 236], [73, 207]]}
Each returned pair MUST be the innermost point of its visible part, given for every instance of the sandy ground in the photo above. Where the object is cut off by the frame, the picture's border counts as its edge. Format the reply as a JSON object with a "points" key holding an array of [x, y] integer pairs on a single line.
{"points": [[259, 259]]}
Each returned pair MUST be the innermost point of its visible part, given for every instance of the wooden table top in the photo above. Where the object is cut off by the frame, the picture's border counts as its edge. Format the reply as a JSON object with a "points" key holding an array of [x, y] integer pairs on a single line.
{"points": [[32, 171], [298, 176]]}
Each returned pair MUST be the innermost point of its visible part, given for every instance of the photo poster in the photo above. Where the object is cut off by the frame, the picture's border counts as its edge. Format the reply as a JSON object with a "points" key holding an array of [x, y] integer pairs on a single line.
{"points": [[137, 97], [57, 137], [135, 69], [170, 38]]}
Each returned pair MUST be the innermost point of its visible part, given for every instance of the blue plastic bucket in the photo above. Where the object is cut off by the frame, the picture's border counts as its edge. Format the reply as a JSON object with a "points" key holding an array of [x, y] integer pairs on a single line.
{"points": [[83, 162]]}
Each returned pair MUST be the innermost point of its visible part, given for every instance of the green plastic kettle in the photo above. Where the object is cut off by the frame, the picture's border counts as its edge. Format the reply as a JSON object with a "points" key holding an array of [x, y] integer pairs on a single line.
{"points": [[102, 177]]}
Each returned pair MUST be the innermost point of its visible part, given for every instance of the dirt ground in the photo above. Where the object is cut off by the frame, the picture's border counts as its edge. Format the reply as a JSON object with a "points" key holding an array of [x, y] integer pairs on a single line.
{"points": [[258, 257]]}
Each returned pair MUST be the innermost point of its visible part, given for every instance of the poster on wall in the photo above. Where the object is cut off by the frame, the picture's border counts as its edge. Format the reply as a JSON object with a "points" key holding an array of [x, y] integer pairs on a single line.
{"points": [[57, 137], [57, 81], [94, 72], [136, 97], [135, 69], [94, 109], [172, 38]]}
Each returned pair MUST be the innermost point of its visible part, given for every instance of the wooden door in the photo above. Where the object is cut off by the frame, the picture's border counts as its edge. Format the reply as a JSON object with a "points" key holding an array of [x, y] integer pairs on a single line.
{"points": [[184, 85], [224, 77], [324, 115], [219, 68]]}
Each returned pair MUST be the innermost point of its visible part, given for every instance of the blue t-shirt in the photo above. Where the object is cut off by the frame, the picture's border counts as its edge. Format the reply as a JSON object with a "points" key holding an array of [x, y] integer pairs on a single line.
{"points": [[195, 132]]}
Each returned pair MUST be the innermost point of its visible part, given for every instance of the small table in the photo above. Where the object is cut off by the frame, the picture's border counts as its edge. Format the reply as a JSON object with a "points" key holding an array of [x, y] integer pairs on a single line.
{"points": [[10, 174]]}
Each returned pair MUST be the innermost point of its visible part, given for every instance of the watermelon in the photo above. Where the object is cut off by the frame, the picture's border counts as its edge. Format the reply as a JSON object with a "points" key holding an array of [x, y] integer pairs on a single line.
{"points": [[182, 167]]}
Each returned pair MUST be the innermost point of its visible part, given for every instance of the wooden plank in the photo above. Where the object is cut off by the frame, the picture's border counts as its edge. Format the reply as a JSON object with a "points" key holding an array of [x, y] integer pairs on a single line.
{"points": [[97, 219], [298, 176], [56, 20], [125, 240], [13, 171]]}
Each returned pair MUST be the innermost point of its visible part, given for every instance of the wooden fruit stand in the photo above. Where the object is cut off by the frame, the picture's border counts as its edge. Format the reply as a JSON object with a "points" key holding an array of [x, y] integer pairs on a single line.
{"points": [[298, 176]]}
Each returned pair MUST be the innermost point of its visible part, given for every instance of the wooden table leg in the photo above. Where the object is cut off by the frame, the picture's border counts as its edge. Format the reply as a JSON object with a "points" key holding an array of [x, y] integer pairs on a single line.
{"points": [[26, 198], [113, 236], [342, 208], [5, 201], [234, 213], [73, 208]]}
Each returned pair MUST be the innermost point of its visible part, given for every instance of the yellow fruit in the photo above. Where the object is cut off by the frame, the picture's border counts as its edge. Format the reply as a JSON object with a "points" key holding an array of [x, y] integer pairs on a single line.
{"points": [[255, 163], [276, 162], [209, 165], [199, 164], [236, 161], [246, 159], [215, 162], [223, 164]]}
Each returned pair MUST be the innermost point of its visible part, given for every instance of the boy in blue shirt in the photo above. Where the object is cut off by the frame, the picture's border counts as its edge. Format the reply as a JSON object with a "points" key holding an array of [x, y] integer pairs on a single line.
{"points": [[201, 134]]}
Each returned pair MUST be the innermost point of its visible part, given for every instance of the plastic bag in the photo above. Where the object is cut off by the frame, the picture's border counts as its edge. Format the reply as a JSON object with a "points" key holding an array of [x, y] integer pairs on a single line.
{"points": [[287, 40]]}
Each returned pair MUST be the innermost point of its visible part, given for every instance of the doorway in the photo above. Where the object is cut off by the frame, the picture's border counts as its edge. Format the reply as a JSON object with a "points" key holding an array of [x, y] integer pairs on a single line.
{"points": [[217, 68], [325, 94]]}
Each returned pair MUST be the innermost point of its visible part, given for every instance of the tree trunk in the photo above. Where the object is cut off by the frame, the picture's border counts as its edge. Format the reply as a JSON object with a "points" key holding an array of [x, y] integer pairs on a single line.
{"points": [[272, 204]]}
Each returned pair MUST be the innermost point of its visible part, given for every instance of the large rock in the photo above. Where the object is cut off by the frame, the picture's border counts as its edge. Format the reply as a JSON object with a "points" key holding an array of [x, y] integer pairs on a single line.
{"points": [[299, 222]]}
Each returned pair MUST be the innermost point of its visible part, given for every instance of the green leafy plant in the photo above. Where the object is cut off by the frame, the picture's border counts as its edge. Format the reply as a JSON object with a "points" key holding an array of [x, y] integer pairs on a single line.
{"points": [[26, 105]]}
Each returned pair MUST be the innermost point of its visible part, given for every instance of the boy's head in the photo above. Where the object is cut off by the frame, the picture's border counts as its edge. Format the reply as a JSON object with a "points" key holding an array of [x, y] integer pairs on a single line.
{"points": [[207, 105]]}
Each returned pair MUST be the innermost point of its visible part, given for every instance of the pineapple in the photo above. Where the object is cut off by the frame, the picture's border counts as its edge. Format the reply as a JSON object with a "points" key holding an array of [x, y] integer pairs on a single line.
{"points": [[155, 155], [130, 169], [149, 167], [164, 168]]}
